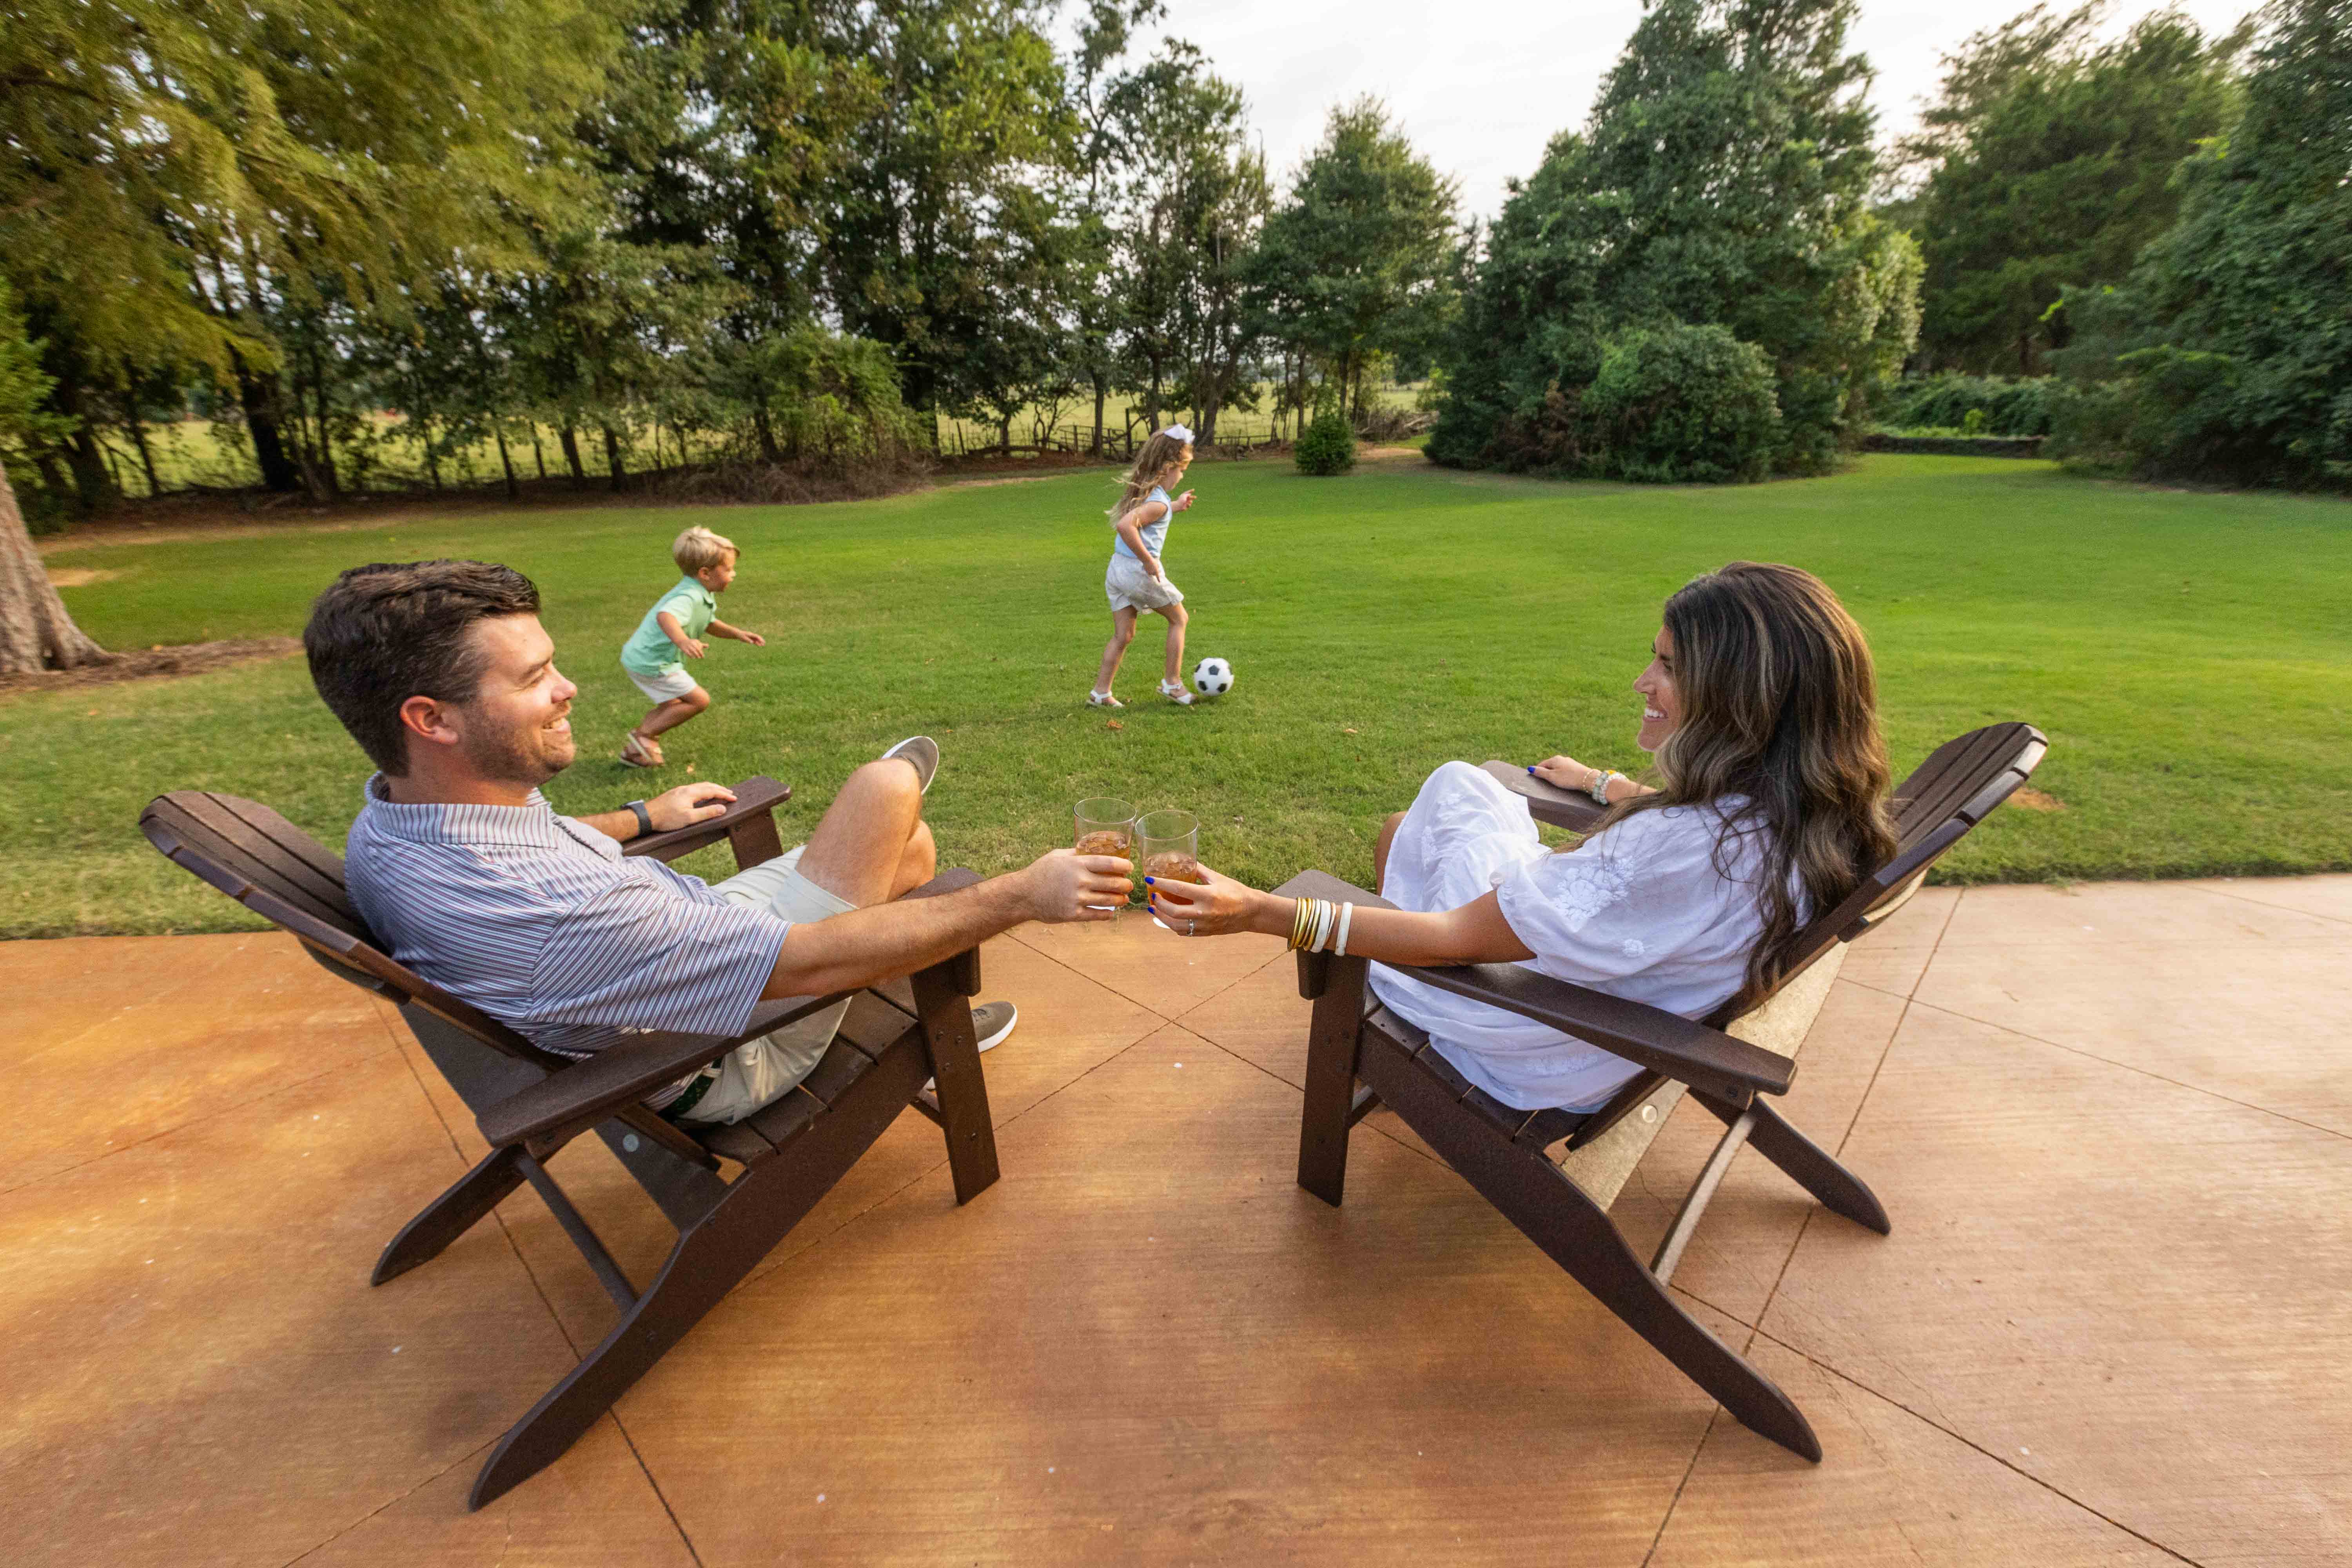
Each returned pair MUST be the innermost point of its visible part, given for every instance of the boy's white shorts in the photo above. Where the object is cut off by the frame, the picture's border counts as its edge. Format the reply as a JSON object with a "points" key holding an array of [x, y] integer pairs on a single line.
{"points": [[1131, 587], [668, 686]]}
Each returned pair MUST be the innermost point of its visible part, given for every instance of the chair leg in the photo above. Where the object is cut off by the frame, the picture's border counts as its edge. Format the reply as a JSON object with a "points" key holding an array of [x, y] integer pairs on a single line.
{"points": [[946, 1015], [710, 1259], [1554, 1213], [451, 1214], [1332, 1041], [1804, 1163]]}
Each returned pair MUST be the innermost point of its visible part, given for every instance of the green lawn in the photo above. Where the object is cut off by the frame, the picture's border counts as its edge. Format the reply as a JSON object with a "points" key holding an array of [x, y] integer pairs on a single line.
{"points": [[2187, 654]]}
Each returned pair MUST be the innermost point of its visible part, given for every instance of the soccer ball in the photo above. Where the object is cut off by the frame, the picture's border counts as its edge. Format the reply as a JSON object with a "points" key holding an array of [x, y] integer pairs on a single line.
{"points": [[1213, 678]]}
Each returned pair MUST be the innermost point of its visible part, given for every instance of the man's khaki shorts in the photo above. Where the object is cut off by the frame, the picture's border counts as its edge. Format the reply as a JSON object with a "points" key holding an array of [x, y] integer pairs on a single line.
{"points": [[760, 1071]]}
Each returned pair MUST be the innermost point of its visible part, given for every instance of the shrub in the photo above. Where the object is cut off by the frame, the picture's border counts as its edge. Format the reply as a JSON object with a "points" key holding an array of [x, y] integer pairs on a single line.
{"points": [[1980, 405], [1326, 445], [1680, 404]]}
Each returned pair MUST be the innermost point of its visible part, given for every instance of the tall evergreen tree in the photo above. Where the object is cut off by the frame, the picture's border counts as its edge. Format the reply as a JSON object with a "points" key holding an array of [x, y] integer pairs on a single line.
{"points": [[2049, 159], [1192, 223], [1359, 262], [1722, 179]]}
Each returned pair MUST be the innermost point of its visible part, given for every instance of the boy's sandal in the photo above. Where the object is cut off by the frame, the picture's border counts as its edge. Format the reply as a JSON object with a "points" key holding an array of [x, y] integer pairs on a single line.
{"points": [[1174, 691], [1103, 699], [636, 752]]}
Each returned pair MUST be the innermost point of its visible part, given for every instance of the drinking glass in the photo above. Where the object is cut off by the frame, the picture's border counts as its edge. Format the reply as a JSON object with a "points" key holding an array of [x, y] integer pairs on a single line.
{"points": [[1170, 844], [1106, 826]]}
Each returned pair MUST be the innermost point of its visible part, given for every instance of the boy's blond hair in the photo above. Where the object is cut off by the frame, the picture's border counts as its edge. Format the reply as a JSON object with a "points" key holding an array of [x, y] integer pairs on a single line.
{"points": [[699, 547]]}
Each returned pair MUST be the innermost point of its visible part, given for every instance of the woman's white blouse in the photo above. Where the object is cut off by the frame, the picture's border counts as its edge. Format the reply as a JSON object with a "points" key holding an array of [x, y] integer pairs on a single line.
{"points": [[1659, 909]]}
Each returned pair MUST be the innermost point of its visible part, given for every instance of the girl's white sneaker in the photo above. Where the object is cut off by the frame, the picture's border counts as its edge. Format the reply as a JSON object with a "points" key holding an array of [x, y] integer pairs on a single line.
{"points": [[1103, 699], [1174, 691]]}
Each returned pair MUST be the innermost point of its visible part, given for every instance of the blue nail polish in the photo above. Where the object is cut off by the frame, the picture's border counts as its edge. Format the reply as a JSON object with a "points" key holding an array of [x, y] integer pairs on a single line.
{"points": [[1150, 883], [1531, 768]]}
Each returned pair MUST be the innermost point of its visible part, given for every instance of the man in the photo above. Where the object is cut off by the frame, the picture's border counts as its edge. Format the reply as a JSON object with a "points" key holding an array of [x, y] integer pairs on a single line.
{"points": [[441, 673]]}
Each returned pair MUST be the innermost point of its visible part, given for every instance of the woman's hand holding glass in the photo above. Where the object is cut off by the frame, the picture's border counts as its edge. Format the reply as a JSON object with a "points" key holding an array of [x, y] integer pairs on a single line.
{"points": [[1217, 906]]}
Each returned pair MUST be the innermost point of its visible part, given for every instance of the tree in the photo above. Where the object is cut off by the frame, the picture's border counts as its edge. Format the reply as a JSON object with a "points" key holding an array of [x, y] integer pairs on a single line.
{"points": [[1113, 156], [36, 632], [1360, 261], [1722, 179], [2227, 353], [173, 176], [2049, 160], [960, 111], [1200, 199]]}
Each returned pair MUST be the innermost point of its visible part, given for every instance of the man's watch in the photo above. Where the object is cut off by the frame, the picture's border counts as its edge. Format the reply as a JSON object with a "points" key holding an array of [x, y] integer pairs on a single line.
{"points": [[645, 817]]}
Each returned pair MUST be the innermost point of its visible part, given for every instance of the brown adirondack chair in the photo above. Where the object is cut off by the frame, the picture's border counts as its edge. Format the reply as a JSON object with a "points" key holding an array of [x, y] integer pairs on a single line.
{"points": [[530, 1102], [1555, 1174]]}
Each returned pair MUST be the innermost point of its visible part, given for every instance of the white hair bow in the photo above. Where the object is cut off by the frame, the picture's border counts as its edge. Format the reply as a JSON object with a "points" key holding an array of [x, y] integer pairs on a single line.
{"points": [[1179, 433]]}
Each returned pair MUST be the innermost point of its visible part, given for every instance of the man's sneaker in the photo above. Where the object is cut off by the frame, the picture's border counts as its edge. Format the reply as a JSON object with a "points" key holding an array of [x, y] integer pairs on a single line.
{"points": [[992, 1021], [1174, 691], [921, 751], [1103, 699]]}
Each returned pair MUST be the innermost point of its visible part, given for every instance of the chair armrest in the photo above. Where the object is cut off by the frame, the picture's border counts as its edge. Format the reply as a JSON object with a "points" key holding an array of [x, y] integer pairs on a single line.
{"points": [[754, 797], [585, 1093], [1648, 1037], [1547, 802]]}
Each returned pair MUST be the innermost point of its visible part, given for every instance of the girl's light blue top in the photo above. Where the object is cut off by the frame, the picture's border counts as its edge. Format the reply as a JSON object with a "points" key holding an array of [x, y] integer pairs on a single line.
{"points": [[1154, 533]]}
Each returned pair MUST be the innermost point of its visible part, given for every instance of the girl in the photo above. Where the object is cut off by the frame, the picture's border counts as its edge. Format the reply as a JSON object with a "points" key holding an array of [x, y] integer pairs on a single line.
{"points": [[1136, 580], [1761, 707]]}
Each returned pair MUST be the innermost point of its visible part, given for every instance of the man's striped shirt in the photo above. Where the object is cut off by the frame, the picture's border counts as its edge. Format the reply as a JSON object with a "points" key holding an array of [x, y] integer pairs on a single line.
{"points": [[539, 920]]}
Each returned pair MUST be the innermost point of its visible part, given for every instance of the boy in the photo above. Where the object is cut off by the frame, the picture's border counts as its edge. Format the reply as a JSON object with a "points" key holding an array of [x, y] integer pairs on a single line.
{"points": [[675, 625]]}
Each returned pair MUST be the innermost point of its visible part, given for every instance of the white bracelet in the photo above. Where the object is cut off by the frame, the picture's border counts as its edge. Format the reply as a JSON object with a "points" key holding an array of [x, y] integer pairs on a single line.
{"points": [[1347, 913], [1325, 913]]}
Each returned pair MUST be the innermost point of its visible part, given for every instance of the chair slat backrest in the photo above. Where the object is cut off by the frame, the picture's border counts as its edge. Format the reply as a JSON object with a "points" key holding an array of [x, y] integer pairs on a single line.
{"points": [[296, 883]]}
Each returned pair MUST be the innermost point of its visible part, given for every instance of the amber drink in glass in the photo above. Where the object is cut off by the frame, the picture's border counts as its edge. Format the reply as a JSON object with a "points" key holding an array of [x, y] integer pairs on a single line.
{"points": [[1170, 842], [1106, 826]]}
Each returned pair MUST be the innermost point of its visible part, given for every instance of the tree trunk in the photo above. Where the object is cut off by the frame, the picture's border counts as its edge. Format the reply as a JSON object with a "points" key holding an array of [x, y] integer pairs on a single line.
{"points": [[514, 488], [326, 440], [258, 395], [769, 451], [136, 428], [36, 633], [613, 461], [572, 456], [1102, 392], [537, 456]]}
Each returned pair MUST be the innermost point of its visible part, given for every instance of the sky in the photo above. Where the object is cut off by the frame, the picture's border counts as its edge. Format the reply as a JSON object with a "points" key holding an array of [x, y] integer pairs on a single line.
{"points": [[1481, 85]]}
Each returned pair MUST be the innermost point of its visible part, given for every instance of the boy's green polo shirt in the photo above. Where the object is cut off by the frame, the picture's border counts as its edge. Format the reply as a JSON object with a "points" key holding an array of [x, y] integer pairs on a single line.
{"points": [[649, 650]]}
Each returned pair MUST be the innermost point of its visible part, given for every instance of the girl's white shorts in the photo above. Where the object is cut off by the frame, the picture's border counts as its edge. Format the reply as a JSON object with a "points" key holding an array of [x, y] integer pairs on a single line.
{"points": [[1131, 587]]}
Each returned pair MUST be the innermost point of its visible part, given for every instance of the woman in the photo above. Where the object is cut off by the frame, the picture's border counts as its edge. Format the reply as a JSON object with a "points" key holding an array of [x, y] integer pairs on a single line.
{"points": [[1760, 709]]}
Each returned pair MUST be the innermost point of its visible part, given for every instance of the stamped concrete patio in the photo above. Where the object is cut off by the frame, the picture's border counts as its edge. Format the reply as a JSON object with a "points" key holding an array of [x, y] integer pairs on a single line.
{"points": [[2114, 1324]]}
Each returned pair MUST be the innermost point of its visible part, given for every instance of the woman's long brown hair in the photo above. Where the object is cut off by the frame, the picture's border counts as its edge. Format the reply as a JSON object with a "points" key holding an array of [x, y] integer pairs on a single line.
{"points": [[1780, 710]]}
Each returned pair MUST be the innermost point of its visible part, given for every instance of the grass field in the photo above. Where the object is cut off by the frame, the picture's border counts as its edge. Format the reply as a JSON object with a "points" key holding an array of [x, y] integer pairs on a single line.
{"points": [[2187, 654]]}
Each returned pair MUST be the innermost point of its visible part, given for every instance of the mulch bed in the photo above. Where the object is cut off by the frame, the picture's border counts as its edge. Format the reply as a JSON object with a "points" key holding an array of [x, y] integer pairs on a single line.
{"points": [[142, 664]]}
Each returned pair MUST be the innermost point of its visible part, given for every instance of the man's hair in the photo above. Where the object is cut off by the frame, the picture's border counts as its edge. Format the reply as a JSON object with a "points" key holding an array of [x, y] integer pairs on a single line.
{"points": [[699, 547], [396, 629]]}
